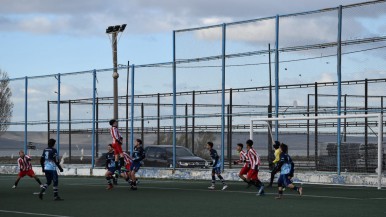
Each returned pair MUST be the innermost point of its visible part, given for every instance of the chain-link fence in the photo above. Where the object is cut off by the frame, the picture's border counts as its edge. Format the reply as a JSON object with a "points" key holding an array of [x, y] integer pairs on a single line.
{"points": [[323, 62]]}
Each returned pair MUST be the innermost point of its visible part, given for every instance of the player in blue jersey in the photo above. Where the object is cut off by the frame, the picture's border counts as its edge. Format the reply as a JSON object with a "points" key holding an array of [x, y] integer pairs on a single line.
{"points": [[49, 162], [286, 166], [138, 156], [216, 166], [110, 166]]}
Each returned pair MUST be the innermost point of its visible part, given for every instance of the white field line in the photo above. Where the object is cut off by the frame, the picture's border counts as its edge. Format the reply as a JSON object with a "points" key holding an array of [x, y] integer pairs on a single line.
{"points": [[30, 213]]}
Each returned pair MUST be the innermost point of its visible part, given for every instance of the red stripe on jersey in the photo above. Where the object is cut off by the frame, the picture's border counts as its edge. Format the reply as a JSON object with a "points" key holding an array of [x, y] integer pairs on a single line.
{"points": [[115, 134], [253, 158], [24, 163], [243, 157], [127, 158]]}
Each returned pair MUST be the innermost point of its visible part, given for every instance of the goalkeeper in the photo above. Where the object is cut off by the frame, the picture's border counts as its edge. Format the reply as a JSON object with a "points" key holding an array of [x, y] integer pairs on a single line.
{"points": [[275, 169]]}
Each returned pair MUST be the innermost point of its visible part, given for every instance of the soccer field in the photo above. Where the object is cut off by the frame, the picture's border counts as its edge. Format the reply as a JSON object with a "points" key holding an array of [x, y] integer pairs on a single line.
{"points": [[87, 196]]}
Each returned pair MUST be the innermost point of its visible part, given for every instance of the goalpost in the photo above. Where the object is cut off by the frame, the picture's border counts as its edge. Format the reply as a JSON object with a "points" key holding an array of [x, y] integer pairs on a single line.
{"points": [[378, 133]]}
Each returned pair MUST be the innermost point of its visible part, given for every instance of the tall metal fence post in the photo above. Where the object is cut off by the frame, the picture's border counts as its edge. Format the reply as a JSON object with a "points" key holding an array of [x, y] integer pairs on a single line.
{"points": [[223, 97], [186, 125], [69, 131], [58, 117], [48, 120], [174, 99], [339, 74], [316, 125], [142, 122], [26, 114], [158, 118], [132, 110], [308, 127], [193, 118], [366, 126], [277, 78], [127, 106], [93, 119]]}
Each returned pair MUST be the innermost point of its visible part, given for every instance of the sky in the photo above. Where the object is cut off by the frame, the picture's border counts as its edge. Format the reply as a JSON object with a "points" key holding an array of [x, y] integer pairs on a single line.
{"points": [[46, 37], [41, 37]]}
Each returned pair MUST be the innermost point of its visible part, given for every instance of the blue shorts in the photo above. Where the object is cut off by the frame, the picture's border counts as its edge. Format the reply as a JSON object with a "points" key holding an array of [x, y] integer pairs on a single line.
{"points": [[135, 166], [216, 170], [111, 169], [52, 176], [284, 180]]}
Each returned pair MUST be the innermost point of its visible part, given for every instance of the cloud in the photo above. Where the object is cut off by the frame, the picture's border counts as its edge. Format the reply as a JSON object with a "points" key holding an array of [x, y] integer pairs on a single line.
{"points": [[145, 16]]}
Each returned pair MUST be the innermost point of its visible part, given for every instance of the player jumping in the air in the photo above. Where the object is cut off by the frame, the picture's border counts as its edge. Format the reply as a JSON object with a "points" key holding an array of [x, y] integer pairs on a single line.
{"points": [[216, 167], [49, 162], [25, 168], [286, 166], [243, 159], [254, 161], [117, 146]]}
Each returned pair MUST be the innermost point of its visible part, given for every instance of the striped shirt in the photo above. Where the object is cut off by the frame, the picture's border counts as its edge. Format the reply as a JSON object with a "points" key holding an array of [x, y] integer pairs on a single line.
{"points": [[243, 158], [127, 157], [24, 163], [254, 158], [115, 134]]}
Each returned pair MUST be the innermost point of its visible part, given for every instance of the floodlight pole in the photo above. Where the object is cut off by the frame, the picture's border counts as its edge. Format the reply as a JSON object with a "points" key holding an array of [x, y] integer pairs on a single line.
{"points": [[115, 74], [114, 31]]}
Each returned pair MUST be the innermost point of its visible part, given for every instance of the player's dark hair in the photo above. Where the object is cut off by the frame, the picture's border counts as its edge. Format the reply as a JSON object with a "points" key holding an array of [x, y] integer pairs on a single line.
{"points": [[284, 148], [240, 144], [139, 140], [276, 145], [249, 142], [112, 121], [110, 145], [51, 143], [210, 144]]}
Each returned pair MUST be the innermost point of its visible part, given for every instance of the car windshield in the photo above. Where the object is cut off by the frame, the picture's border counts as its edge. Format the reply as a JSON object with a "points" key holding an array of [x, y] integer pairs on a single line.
{"points": [[180, 151]]}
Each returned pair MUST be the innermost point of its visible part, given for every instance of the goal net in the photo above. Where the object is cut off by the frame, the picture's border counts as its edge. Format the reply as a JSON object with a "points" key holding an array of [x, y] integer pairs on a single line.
{"points": [[342, 144]]}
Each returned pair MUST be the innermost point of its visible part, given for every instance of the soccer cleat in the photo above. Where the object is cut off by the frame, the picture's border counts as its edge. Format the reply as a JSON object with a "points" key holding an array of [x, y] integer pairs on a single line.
{"points": [[110, 186], [261, 191], [137, 182], [211, 187], [224, 187], [14, 186], [134, 188], [300, 191], [57, 198], [115, 181], [279, 197], [41, 186]]}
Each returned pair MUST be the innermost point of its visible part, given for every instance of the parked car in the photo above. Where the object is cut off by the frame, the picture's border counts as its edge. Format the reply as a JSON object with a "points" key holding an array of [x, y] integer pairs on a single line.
{"points": [[162, 156]]}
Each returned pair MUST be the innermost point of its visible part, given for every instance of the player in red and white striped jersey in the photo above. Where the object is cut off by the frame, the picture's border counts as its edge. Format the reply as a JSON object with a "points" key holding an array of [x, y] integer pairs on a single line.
{"points": [[117, 145], [243, 159], [25, 168], [254, 161]]}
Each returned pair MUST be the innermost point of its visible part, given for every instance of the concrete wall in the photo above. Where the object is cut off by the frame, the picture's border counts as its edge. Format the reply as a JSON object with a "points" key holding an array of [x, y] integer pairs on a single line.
{"points": [[229, 174]]}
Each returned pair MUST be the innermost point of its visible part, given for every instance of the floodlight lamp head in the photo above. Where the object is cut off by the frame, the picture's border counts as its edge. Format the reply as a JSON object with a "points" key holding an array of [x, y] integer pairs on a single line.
{"points": [[122, 27], [116, 28], [109, 29]]}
